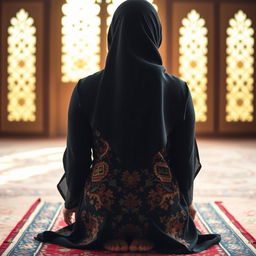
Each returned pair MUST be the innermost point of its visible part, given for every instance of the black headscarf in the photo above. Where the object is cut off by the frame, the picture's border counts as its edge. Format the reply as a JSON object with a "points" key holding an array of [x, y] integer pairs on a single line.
{"points": [[129, 107]]}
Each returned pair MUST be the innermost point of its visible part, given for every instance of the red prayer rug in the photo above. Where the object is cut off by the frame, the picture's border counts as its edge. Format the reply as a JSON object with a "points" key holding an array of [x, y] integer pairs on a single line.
{"points": [[211, 218]]}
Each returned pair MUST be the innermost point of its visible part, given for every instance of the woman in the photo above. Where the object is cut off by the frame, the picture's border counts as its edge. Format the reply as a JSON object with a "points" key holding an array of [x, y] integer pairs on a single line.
{"points": [[136, 194]]}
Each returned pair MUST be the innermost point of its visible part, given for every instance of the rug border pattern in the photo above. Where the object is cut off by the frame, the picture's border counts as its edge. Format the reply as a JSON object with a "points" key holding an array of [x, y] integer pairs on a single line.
{"points": [[24, 244], [219, 223], [20, 240]]}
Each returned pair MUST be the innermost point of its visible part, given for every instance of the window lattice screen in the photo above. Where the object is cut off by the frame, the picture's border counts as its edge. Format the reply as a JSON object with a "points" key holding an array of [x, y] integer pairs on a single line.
{"points": [[80, 39], [239, 69], [21, 68], [193, 60]]}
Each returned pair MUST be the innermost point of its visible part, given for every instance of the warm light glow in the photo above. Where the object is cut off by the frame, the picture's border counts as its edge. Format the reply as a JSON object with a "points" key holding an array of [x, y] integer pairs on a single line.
{"points": [[21, 68], [113, 4], [239, 81], [193, 60], [80, 39]]}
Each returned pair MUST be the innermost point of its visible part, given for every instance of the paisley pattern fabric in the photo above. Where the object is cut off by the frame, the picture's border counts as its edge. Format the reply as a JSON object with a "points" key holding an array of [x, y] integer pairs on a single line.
{"points": [[127, 203], [126, 195]]}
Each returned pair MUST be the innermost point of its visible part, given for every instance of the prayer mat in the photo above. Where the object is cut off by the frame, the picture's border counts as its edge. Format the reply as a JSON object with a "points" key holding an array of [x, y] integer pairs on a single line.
{"points": [[211, 218]]}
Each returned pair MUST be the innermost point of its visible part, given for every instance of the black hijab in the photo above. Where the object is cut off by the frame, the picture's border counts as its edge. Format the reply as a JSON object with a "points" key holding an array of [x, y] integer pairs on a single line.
{"points": [[130, 106]]}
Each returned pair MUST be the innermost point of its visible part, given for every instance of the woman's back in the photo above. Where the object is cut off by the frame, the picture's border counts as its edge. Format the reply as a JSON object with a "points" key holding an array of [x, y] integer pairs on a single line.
{"points": [[175, 93]]}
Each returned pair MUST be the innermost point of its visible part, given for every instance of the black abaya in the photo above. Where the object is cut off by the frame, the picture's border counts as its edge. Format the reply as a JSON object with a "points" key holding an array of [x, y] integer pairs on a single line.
{"points": [[139, 122]]}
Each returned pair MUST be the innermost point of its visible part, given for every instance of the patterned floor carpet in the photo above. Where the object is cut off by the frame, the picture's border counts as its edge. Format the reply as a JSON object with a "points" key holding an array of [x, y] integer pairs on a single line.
{"points": [[211, 218], [31, 168]]}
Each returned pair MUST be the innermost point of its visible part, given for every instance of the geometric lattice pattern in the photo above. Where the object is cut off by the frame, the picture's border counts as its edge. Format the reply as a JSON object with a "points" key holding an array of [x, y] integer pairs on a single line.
{"points": [[113, 4], [193, 60], [239, 69], [21, 70], [80, 39]]}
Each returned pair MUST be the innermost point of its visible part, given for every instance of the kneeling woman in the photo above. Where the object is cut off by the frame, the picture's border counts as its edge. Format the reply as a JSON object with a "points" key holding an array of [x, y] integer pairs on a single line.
{"points": [[134, 193]]}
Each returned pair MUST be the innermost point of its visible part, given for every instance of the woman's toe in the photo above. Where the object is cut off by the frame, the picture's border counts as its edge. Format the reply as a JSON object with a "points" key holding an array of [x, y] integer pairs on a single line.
{"points": [[141, 245], [123, 245], [134, 245], [116, 245]]}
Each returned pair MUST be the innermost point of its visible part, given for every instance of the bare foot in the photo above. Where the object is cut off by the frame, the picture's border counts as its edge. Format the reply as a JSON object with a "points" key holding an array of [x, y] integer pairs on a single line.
{"points": [[116, 245], [141, 245]]}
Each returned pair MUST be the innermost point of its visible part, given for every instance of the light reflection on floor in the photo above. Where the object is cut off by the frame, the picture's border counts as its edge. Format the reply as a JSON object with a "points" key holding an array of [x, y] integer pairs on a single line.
{"points": [[20, 166]]}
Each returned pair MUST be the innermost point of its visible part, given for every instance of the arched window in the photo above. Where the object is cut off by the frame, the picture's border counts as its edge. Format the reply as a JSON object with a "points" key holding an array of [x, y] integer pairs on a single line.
{"points": [[21, 79], [80, 39], [193, 60], [239, 61]]}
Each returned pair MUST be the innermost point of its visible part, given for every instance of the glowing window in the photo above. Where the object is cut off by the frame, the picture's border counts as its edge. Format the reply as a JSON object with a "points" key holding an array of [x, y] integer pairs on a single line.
{"points": [[193, 60], [113, 4], [80, 39], [239, 81], [21, 68]]}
